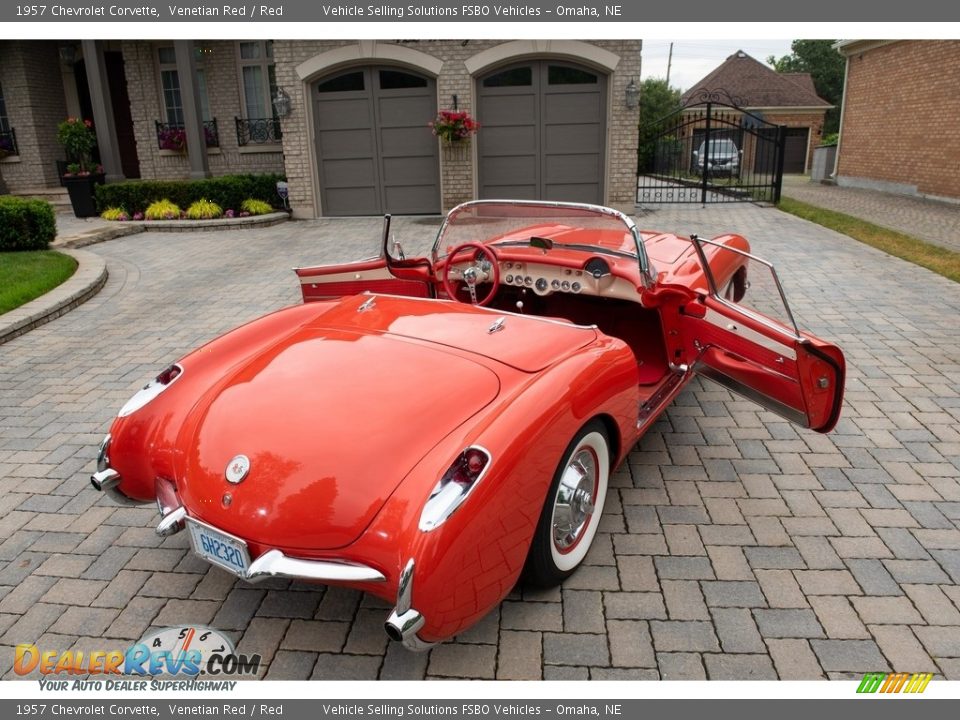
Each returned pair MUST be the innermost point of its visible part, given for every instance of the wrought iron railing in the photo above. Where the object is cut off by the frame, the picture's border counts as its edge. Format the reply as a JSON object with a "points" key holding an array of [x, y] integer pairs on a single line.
{"points": [[8, 143], [173, 136], [257, 131]]}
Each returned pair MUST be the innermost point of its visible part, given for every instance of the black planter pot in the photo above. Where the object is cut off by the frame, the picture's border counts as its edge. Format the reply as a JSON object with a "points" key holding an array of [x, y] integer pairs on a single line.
{"points": [[81, 190]]}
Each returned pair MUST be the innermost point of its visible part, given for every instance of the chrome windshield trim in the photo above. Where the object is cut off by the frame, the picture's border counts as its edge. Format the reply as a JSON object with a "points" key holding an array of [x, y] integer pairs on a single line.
{"points": [[643, 260], [274, 563]]}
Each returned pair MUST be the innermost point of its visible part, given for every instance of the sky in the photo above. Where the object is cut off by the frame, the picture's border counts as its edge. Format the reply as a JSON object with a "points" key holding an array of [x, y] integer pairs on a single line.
{"points": [[693, 59]]}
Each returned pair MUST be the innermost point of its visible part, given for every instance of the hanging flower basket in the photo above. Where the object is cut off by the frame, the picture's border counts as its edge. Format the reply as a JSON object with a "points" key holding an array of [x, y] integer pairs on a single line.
{"points": [[456, 150]]}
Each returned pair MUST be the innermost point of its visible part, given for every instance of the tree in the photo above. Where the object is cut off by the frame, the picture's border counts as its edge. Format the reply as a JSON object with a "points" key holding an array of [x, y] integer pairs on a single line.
{"points": [[657, 99], [654, 150], [825, 65]]}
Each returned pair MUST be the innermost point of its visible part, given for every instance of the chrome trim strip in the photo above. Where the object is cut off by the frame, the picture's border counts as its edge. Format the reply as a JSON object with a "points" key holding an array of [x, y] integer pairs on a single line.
{"points": [[103, 453], [274, 563], [791, 414], [405, 588], [785, 348]]}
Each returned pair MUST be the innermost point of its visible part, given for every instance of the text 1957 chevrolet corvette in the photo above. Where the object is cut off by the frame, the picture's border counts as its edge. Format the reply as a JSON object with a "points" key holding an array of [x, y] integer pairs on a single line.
{"points": [[427, 429]]}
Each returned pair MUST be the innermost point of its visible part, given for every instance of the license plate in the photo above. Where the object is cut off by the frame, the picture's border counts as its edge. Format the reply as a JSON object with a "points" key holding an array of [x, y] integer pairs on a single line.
{"points": [[218, 547]]}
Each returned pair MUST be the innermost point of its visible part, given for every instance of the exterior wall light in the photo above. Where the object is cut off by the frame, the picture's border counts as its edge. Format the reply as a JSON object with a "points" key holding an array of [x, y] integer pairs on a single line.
{"points": [[632, 95], [281, 103]]}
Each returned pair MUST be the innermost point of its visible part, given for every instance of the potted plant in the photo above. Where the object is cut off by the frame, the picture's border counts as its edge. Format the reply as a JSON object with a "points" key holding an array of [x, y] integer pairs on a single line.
{"points": [[81, 177], [454, 129]]}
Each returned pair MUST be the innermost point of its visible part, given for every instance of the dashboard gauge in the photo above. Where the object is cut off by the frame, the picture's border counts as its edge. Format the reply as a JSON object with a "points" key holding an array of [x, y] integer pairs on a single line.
{"points": [[597, 267], [541, 285], [565, 285], [576, 287]]}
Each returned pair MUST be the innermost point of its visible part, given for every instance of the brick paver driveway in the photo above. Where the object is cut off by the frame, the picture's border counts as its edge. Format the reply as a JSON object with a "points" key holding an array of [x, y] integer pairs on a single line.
{"points": [[733, 545]]}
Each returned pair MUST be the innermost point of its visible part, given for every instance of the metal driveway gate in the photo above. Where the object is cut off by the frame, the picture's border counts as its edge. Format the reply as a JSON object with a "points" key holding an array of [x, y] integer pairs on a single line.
{"points": [[710, 151]]}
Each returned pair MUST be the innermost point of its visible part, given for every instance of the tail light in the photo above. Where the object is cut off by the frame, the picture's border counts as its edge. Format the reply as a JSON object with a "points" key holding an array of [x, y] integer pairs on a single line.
{"points": [[149, 391], [453, 488]]}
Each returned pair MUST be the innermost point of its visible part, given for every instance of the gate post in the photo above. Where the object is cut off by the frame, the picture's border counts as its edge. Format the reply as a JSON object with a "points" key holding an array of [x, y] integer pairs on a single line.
{"points": [[781, 147], [706, 158]]}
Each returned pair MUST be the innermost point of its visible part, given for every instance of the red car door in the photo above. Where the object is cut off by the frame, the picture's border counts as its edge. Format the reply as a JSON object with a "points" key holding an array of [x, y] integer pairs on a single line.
{"points": [[754, 348], [325, 282]]}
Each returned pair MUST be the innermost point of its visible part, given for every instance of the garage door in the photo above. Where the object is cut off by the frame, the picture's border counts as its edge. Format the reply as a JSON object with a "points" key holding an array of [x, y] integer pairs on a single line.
{"points": [[375, 151], [795, 150], [542, 132]]}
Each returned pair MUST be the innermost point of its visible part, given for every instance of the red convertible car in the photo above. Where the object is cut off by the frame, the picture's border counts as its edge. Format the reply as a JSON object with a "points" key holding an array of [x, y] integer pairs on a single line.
{"points": [[429, 429]]}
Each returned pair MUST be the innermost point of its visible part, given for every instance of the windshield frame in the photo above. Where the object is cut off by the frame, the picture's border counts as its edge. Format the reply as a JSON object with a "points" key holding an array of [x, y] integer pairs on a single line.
{"points": [[631, 226]]}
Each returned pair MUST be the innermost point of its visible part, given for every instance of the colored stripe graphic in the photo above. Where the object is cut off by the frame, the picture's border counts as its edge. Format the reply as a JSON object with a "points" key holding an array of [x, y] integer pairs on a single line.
{"points": [[913, 683]]}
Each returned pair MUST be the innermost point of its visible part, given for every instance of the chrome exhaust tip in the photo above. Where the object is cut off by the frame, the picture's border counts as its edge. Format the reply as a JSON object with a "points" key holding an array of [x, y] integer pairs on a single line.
{"points": [[402, 627], [104, 480]]}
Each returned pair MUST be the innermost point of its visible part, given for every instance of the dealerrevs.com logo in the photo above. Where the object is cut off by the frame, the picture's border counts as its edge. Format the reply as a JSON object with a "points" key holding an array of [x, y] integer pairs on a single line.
{"points": [[186, 651]]}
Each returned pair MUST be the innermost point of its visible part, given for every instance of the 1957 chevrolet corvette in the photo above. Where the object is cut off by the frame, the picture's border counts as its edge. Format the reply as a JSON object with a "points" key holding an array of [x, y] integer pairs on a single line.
{"points": [[429, 429]]}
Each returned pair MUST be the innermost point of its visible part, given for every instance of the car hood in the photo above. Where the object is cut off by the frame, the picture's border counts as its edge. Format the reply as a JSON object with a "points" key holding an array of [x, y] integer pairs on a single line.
{"points": [[332, 419]]}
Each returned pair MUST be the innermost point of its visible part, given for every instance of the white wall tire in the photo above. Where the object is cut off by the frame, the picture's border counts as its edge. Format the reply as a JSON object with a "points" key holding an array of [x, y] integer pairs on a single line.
{"points": [[572, 508]]}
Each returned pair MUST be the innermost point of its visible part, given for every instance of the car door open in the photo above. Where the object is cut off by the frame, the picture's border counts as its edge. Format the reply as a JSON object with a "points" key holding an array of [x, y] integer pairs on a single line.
{"points": [[748, 350]]}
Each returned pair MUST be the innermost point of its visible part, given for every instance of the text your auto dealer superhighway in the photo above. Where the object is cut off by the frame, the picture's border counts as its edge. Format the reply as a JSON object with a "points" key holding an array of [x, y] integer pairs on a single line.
{"points": [[103, 11]]}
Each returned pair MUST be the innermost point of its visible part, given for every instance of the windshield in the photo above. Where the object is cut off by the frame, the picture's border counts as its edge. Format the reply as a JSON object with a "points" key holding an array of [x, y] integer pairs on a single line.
{"points": [[524, 223], [720, 146]]}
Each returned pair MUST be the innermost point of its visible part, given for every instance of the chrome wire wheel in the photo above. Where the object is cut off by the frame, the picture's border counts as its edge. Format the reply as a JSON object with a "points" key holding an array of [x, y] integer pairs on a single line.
{"points": [[572, 508]]}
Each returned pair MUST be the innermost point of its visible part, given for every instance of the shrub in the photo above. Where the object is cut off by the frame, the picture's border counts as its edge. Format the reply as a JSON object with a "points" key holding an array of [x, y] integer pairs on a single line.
{"points": [[204, 210], [255, 207], [26, 224], [162, 210], [115, 214], [228, 191]]}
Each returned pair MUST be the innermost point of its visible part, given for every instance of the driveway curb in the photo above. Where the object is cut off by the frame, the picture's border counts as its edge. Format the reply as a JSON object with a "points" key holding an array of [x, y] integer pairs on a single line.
{"points": [[86, 282]]}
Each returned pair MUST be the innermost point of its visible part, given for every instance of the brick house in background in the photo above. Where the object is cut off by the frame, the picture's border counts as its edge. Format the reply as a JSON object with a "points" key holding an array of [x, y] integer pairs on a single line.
{"points": [[780, 99], [555, 123], [899, 128]]}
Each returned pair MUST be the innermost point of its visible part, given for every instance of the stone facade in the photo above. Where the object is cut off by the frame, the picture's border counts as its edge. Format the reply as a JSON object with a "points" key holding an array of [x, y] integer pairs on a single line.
{"points": [[899, 129], [458, 175], [35, 106], [219, 64]]}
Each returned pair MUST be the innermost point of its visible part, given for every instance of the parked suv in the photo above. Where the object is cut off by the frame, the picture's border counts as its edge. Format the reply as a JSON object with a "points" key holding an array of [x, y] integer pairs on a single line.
{"points": [[723, 158]]}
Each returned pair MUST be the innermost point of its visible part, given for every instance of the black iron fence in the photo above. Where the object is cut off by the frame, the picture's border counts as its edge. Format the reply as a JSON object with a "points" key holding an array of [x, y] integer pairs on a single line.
{"points": [[173, 136], [257, 131], [710, 151]]}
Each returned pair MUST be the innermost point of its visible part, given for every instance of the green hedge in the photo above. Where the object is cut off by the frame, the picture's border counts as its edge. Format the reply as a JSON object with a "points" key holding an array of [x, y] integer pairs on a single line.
{"points": [[227, 192], [26, 224]]}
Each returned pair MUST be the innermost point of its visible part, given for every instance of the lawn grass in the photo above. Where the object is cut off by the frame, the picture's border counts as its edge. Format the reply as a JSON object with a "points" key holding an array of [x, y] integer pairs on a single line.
{"points": [[940, 260], [28, 275]]}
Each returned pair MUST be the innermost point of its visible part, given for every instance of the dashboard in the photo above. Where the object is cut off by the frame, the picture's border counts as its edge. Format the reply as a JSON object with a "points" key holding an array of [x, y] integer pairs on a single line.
{"points": [[594, 279]]}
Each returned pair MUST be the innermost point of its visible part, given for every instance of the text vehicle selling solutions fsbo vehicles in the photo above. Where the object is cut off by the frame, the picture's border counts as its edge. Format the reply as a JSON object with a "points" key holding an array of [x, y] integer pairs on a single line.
{"points": [[429, 429]]}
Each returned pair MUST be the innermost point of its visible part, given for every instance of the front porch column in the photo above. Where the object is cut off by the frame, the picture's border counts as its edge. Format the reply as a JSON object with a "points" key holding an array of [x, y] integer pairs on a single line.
{"points": [[192, 119], [102, 110]]}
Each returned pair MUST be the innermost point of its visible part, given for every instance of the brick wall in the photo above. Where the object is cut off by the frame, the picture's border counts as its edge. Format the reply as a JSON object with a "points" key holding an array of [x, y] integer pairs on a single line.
{"points": [[33, 91], [223, 92], [900, 127], [457, 176]]}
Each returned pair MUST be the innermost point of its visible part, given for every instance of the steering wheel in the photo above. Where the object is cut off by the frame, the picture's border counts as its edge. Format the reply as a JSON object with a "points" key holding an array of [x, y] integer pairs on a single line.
{"points": [[483, 270]]}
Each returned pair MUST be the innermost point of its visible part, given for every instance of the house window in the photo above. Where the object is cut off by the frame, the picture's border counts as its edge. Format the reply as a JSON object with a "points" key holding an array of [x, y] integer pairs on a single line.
{"points": [[8, 138], [4, 120], [170, 88], [258, 79]]}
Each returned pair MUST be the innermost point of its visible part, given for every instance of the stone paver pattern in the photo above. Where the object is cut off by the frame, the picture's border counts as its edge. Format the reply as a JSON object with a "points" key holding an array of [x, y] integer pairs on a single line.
{"points": [[935, 221], [733, 545]]}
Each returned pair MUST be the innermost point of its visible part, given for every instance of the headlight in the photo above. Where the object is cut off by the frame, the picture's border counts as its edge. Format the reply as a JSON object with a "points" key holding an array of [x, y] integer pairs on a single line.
{"points": [[149, 391], [454, 487]]}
